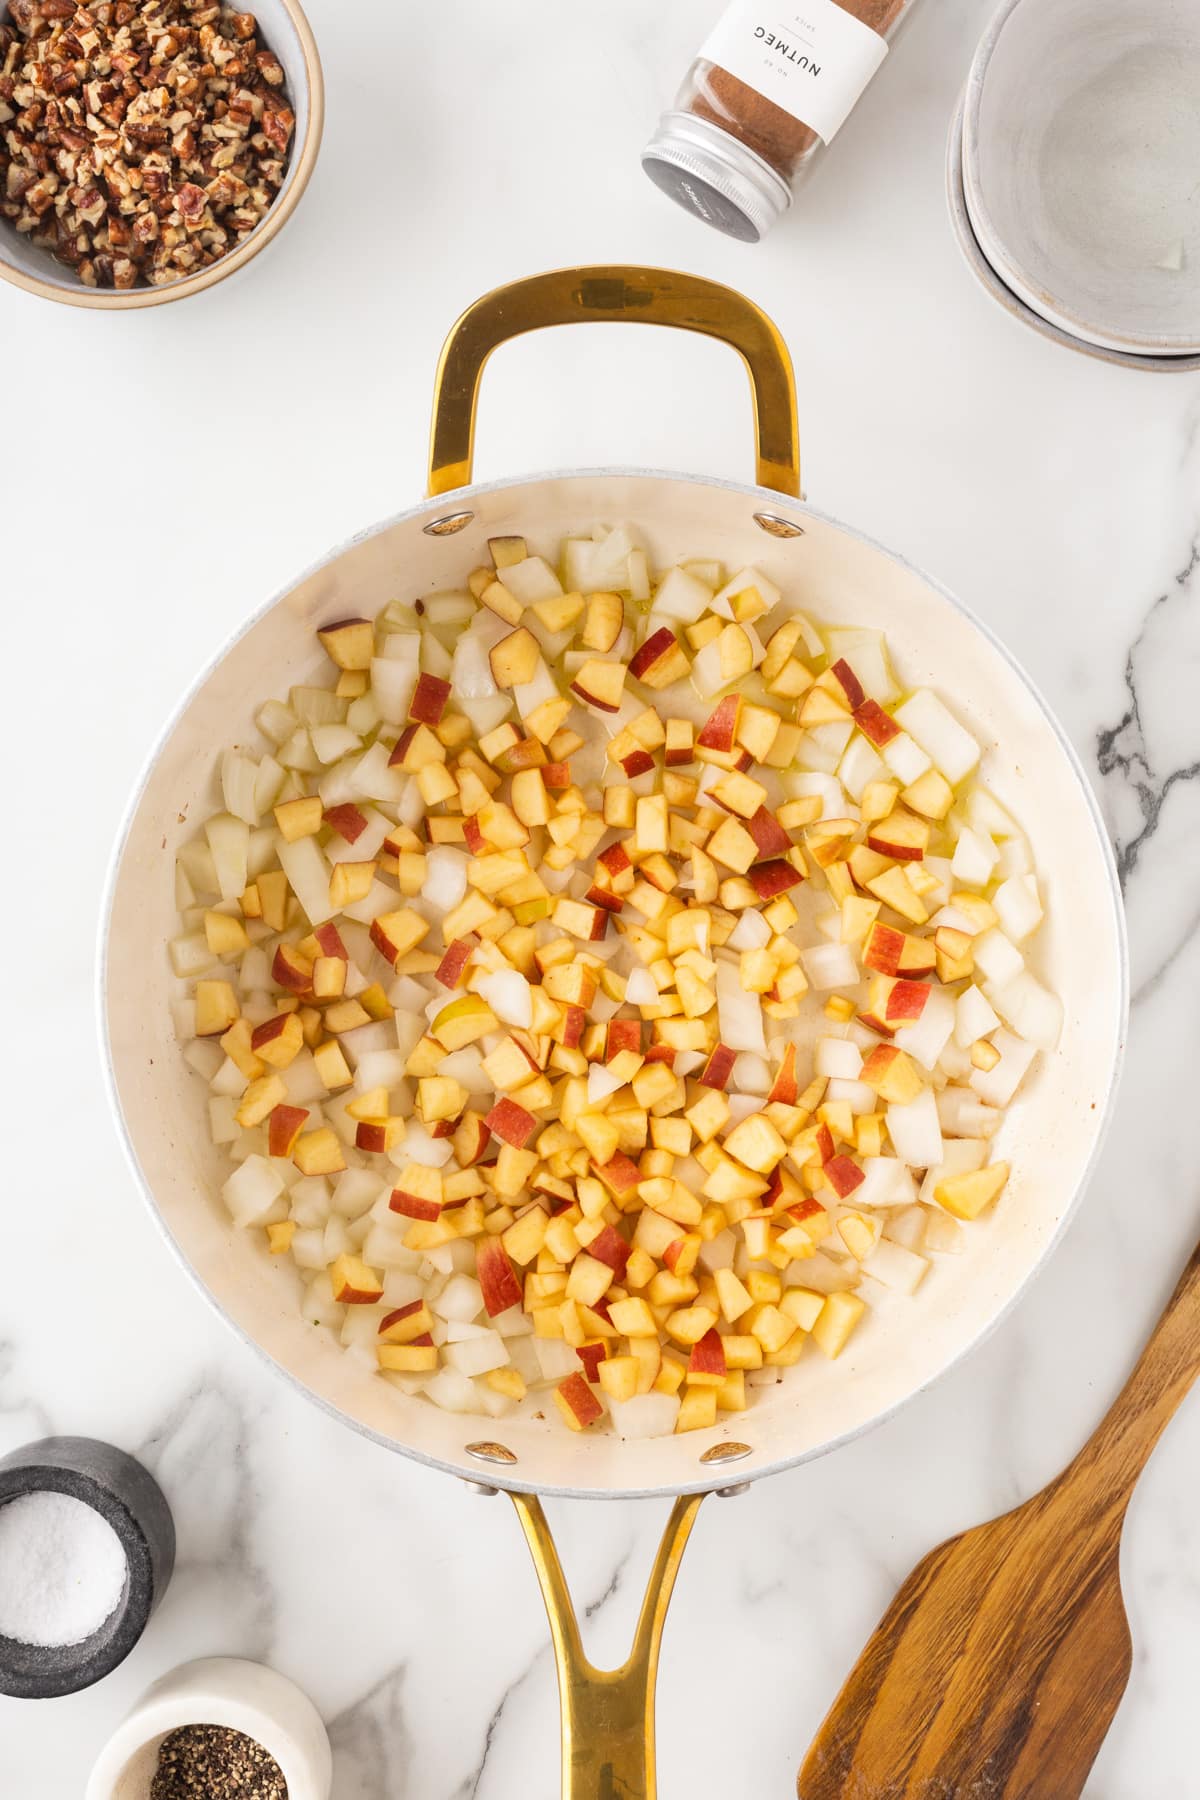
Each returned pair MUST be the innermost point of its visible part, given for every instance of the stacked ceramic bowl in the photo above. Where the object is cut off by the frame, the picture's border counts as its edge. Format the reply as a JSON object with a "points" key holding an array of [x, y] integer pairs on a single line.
{"points": [[1074, 175]]}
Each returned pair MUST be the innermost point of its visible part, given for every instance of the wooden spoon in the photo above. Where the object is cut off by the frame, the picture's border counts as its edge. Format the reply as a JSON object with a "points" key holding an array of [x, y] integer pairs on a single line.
{"points": [[996, 1671]]}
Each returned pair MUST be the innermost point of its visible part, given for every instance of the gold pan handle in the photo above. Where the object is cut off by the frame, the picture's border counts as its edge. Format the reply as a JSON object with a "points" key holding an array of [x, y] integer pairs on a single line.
{"points": [[608, 294]]}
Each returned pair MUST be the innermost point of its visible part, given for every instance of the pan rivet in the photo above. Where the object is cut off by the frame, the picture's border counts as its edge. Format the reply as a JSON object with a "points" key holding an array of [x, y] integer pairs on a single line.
{"points": [[731, 1493], [491, 1453], [481, 1488], [723, 1453], [448, 524], [776, 526]]}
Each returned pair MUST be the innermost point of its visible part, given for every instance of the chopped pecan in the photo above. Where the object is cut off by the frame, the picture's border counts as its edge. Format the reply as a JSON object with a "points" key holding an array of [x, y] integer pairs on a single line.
{"points": [[139, 139]]}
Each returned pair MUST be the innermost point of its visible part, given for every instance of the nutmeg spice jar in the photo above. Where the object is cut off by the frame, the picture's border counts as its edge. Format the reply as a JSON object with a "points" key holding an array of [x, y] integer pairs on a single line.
{"points": [[771, 85]]}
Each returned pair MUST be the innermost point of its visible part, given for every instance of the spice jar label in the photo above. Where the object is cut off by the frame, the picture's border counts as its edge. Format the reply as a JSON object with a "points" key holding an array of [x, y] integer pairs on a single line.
{"points": [[813, 59]]}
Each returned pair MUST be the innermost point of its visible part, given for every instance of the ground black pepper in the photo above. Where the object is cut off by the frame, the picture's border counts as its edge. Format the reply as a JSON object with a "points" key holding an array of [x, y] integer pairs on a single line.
{"points": [[210, 1762]]}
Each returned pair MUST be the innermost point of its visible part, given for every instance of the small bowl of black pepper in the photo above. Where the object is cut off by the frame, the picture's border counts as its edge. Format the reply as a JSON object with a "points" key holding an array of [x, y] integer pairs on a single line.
{"points": [[219, 1729]]}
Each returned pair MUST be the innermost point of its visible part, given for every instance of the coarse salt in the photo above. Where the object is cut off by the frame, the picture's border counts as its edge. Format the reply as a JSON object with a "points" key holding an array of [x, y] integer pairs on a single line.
{"points": [[62, 1570]]}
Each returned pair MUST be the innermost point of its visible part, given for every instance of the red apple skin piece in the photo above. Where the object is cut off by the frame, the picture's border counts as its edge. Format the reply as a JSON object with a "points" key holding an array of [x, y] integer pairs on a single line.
{"points": [[708, 1355], [785, 1087], [429, 700], [672, 1253], [511, 1123], [620, 1174], [454, 960], [581, 1400], [882, 949], [592, 699], [369, 1136], [473, 836], [659, 644], [873, 1022], [283, 1128], [556, 776], [906, 1001], [843, 1175], [719, 731], [610, 1248], [661, 1053], [598, 896], [466, 1158], [269, 1030], [825, 1143], [850, 685], [591, 1356], [497, 1277], [413, 1206], [289, 974], [804, 1209], [352, 1296], [615, 859], [400, 1312], [638, 762], [875, 724], [347, 821], [330, 940], [768, 834], [622, 1034], [400, 751], [574, 1020], [878, 841], [771, 878], [718, 1068]]}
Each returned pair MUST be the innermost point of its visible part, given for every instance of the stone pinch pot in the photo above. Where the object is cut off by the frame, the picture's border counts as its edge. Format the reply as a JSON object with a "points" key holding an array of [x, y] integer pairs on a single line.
{"points": [[1015, 307], [1081, 143], [123, 1493], [222, 1690], [287, 31]]}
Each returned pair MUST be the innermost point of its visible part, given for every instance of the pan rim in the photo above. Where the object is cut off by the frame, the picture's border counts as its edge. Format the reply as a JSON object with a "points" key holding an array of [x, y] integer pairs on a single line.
{"points": [[495, 1477]]}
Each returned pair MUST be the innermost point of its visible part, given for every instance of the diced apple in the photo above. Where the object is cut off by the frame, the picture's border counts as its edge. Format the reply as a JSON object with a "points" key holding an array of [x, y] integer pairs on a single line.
{"points": [[496, 1277], [350, 643], [600, 684], [967, 1195], [284, 1125], [354, 1284], [603, 622], [318, 1153], [429, 700], [660, 661], [515, 659], [217, 1008]]}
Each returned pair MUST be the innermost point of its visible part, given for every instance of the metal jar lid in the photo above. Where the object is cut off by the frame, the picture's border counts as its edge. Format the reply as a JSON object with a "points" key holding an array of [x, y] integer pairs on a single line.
{"points": [[713, 175]]}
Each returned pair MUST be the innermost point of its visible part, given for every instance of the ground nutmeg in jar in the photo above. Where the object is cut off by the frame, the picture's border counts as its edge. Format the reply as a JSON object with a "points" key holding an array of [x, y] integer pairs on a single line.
{"points": [[770, 86]]}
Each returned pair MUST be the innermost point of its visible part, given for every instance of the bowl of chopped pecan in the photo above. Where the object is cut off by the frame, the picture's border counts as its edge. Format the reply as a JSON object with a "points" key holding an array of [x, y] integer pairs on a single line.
{"points": [[149, 148]]}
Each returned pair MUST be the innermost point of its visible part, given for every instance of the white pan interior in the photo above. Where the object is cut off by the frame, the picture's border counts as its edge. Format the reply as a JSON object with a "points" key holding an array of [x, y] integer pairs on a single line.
{"points": [[1050, 1136]]}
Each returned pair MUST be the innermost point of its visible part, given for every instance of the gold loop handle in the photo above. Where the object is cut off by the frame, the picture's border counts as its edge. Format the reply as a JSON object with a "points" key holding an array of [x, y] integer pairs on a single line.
{"points": [[603, 294], [607, 1714]]}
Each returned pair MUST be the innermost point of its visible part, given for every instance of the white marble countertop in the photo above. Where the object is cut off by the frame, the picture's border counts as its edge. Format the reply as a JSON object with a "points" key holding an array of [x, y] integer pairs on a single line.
{"points": [[164, 471]]}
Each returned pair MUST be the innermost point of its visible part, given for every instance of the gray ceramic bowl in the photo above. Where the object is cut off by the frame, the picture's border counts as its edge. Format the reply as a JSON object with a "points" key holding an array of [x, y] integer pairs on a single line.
{"points": [[1016, 308], [127, 1496], [289, 35], [1081, 143]]}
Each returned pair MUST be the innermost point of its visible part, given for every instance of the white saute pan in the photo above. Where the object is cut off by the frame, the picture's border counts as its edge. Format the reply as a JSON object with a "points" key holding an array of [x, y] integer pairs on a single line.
{"points": [[1051, 1135]]}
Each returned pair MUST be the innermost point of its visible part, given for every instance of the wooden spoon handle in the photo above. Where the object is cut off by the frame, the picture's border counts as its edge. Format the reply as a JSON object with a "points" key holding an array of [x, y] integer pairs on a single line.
{"points": [[1114, 1457]]}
